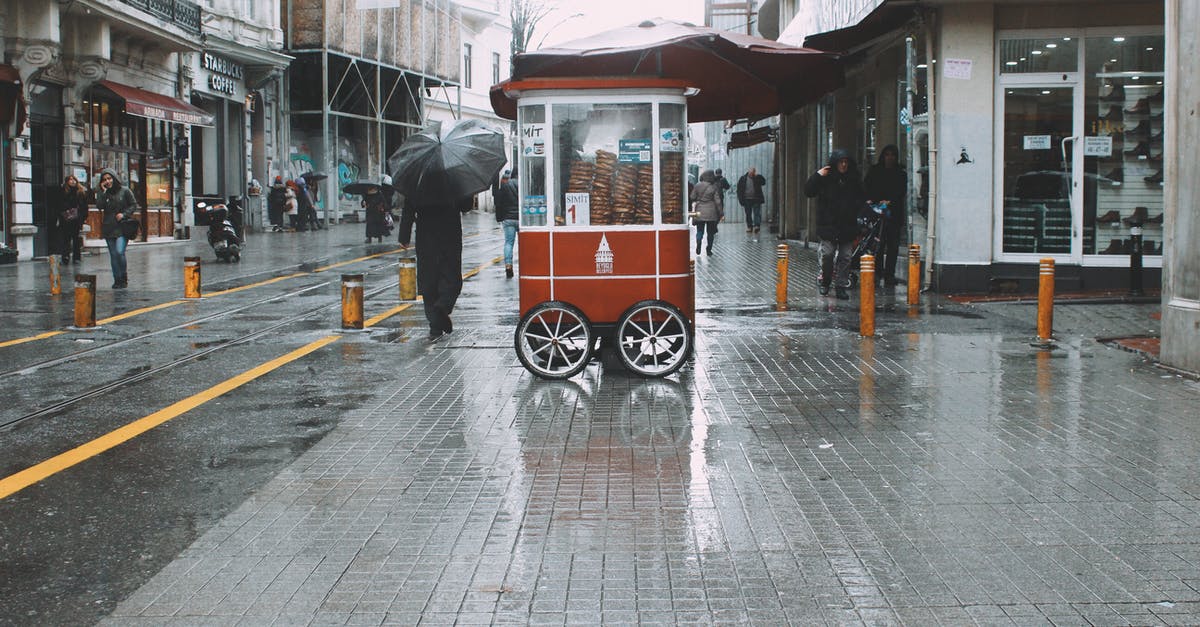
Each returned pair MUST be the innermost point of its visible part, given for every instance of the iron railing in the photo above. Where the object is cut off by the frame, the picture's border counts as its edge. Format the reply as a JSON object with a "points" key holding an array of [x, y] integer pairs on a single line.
{"points": [[182, 13]]}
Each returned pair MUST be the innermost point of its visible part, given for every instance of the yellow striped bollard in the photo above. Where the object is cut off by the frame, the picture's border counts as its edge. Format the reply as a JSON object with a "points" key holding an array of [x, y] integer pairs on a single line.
{"points": [[352, 301], [85, 301], [191, 277], [866, 296], [55, 277], [1045, 311], [408, 279], [914, 274], [781, 277]]}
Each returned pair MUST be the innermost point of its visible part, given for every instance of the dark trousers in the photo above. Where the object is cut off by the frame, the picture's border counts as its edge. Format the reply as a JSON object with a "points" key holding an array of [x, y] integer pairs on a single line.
{"points": [[71, 246], [439, 279], [701, 227], [891, 244]]}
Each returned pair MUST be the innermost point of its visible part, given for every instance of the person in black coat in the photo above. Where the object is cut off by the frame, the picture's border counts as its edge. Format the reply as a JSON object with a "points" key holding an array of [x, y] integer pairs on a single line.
{"points": [[277, 204], [887, 180], [751, 193], [508, 214], [439, 257], [840, 197], [71, 216]]}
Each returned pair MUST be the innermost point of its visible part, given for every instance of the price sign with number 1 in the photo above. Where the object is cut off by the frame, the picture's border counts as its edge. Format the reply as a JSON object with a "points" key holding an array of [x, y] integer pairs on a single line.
{"points": [[578, 209]]}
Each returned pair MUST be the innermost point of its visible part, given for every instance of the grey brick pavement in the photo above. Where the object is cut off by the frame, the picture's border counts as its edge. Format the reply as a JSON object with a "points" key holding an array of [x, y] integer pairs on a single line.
{"points": [[945, 472]]}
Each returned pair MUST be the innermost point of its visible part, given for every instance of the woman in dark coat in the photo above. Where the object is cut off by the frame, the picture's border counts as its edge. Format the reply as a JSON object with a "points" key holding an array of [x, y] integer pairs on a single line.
{"points": [[840, 197], [376, 204], [888, 181], [71, 217], [115, 201]]}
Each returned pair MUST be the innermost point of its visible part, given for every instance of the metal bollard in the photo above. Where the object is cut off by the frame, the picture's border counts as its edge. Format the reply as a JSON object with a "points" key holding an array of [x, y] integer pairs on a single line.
{"points": [[866, 296], [55, 277], [408, 279], [352, 301], [781, 277], [191, 277], [1045, 312], [1135, 260], [914, 274], [85, 301]]}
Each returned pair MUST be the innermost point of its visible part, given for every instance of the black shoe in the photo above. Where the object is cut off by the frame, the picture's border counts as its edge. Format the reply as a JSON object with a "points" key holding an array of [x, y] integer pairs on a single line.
{"points": [[1141, 106], [66, 261], [842, 294], [1157, 177], [436, 336], [823, 289], [78, 260], [120, 285], [1113, 93], [508, 269], [889, 281], [709, 251], [697, 249]]}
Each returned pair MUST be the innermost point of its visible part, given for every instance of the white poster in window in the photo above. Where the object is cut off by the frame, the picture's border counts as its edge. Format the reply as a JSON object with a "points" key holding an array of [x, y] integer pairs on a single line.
{"points": [[533, 140], [578, 209], [957, 68], [1097, 146], [1037, 142], [670, 140]]}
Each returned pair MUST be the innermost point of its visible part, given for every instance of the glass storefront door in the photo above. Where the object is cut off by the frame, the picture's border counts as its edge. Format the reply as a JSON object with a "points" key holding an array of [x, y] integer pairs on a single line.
{"points": [[1039, 183]]}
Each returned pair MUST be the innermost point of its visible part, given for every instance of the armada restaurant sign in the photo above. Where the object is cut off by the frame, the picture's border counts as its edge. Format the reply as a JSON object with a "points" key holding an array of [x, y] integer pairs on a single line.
{"points": [[224, 75]]}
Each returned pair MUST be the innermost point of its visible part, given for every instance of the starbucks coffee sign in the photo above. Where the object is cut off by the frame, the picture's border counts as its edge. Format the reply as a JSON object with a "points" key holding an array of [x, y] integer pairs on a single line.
{"points": [[224, 75]]}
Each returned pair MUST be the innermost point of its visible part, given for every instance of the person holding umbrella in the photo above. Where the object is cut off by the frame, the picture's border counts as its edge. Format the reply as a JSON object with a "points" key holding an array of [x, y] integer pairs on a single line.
{"points": [[438, 170]]}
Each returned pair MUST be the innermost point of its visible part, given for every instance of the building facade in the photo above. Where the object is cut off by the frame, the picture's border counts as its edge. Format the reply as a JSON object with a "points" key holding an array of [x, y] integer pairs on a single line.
{"points": [[485, 34], [357, 86]]}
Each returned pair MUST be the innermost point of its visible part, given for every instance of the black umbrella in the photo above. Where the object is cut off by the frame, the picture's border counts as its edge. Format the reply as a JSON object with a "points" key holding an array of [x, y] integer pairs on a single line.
{"points": [[360, 188], [313, 177], [448, 162]]}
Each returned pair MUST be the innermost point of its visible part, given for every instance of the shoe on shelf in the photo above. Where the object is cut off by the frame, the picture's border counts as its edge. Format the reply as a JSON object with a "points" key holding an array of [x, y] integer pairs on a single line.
{"points": [[1116, 176], [1155, 98], [1137, 218], [1141, 106], [1113, 92], [1115, 247], [1113, 114], [1158, 219], [842, 294], [823, 289], [1142, 129], [1141, 150], [1157, 177], [1111, 216]]}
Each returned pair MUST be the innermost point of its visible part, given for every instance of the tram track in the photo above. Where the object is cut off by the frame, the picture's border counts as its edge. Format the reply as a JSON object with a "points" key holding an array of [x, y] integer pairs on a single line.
{"points": [[151, 371]]}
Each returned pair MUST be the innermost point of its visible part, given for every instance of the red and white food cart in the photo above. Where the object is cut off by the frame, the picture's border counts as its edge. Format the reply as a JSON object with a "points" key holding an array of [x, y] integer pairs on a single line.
{"points": [[604, 238], [602, 140]]}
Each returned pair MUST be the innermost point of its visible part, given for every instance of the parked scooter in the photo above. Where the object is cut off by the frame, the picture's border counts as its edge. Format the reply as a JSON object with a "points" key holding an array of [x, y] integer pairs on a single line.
{"points": [[223, 234]]}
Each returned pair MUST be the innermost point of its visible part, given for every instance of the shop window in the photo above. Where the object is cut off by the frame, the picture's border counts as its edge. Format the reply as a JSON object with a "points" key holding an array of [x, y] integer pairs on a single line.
{"points": [[495, 68], [672, 134], [466, 71], [1123, 150], [865, 135], [604, 164], [1039, 54], [532, 136]]}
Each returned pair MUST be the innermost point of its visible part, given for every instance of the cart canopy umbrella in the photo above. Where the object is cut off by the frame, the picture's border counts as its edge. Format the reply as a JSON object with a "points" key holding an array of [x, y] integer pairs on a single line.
{"points": [[738, 76]]}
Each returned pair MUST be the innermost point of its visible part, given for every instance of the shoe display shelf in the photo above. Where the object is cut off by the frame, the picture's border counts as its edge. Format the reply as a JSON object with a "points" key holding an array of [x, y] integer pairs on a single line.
{"points": [[1042, 226], [1126, 187]]}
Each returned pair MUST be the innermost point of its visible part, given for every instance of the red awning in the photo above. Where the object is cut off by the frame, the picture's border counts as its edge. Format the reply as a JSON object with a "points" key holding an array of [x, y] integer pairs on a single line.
{"points": [[12, 98], [157, 106]]}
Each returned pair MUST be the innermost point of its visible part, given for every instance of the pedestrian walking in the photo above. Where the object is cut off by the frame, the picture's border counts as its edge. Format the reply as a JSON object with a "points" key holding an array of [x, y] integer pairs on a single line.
{"points": [[306, 206], [722, 183], [376, 207], [439, 256], [751, 195], [291, 204], [840, 198], [506, 197], [115, 201], [71, 216], [887, 180], [277, 204], [709, 206]]}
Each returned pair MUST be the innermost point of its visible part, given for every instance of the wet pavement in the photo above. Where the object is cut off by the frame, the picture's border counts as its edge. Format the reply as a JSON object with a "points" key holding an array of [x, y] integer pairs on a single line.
{"points": [[947, 471]]}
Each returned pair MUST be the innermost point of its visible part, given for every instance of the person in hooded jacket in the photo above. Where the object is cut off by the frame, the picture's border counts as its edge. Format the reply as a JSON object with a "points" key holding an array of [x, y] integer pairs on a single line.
{"points": [[277, 204], [506, 197], [887, 181], [376, 204], [710, 208], [71, 217], [115, 201], [439, 256], [840, 198]]}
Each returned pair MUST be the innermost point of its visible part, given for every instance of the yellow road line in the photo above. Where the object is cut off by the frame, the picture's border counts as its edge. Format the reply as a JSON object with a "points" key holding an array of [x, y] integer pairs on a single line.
{"points": [[22, 340], [138, 312], [21, 480], [387, 314], [259, 284]]}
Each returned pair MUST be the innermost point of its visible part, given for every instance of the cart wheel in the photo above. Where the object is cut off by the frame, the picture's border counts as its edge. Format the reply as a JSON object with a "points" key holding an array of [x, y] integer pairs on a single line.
{"points": [[554, 340], [653, 338]]}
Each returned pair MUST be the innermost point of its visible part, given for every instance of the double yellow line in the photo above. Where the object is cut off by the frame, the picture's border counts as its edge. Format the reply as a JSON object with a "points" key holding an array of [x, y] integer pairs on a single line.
{"points": [[25, 478]]}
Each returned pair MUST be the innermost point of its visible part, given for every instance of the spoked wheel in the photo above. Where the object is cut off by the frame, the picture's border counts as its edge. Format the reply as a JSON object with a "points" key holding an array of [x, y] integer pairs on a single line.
{"points": [[653, 338], [554, 340]]}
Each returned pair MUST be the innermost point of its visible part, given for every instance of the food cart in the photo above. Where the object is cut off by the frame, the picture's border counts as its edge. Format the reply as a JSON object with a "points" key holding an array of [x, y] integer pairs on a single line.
{"points": [[605, 245]]}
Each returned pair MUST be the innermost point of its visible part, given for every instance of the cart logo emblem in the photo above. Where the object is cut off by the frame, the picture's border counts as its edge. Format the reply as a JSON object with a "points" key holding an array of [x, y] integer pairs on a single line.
{"points": [[604, 257]]}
